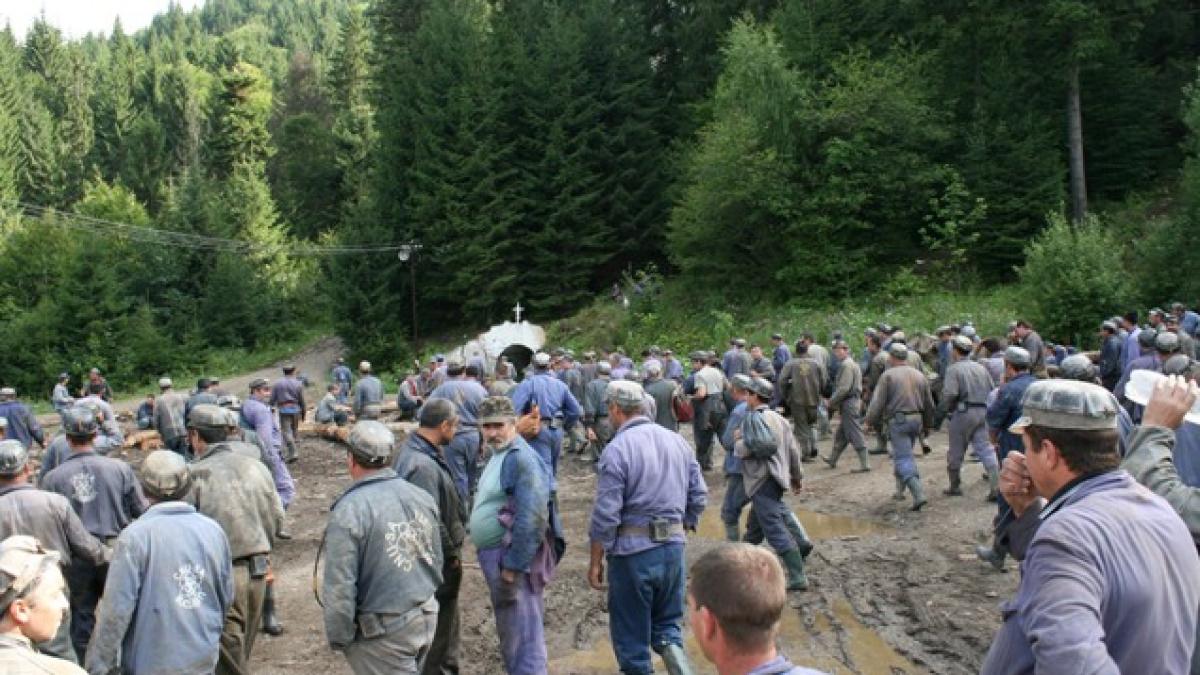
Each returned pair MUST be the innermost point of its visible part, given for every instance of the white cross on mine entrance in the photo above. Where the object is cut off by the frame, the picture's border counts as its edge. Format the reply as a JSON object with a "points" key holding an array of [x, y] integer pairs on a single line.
{"points": [[517, 310]]}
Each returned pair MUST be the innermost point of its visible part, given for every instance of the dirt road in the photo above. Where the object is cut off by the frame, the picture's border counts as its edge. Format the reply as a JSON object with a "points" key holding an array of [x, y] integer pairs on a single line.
{"points": [[892, 591]]}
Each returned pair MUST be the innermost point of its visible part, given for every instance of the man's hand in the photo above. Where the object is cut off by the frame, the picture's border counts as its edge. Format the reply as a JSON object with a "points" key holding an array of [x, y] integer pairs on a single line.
{"points": [[508, 576], [529, 425], [591, 434], [1171, 399], [797, 485], [596, 575], [1015, 483]]}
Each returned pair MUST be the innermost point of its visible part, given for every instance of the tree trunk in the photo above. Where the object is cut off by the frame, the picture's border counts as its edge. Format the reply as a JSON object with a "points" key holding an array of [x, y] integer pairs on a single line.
{"points": [[1075, 140]]}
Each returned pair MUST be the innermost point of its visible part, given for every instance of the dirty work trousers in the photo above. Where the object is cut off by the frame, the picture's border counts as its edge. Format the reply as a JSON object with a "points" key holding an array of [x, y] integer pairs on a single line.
{"points": [[519, 611], [850, 431], [904, 436], [242, 621], [769, 513], [442, 658], [402, 650], [645, 604], [970, 427]]}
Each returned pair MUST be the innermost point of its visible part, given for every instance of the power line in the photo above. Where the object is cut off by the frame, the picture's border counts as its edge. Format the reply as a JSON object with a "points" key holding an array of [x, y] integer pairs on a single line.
{"points": [[151, 235]]}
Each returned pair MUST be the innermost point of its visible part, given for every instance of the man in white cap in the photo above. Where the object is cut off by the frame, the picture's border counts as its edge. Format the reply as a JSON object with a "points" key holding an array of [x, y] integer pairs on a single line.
{"points": [[965, 389], [32, 605], [169, 417], [649, 491], [368, 394], [1111, 579]]}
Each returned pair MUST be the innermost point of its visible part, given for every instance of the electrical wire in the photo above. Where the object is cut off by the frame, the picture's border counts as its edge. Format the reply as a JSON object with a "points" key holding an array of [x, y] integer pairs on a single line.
{"points": [[151, 235]]}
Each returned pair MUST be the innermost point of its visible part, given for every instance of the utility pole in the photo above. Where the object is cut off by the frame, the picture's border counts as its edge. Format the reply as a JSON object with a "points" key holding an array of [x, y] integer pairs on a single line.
{"points": [[407, 254]]}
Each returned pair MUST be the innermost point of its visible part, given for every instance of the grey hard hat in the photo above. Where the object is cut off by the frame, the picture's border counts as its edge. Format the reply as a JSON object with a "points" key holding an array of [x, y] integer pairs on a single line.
{"points": [[1146, 337], [654, 368], [165, 383], [79, 422], [968, 331], [604, 368], [899, 336], [164, 475], [371, 441], [258, 383], [761, 387], [455, 361], [1077, 367], [740, 381], [1067, 404], [1109, 325], [13, 458], [541, 359], [1166, 342], [698, 355], [1017, 356], [624, 393], [207, 416], [496, 410], [962, 343], [898, 350], [1179, 364]]}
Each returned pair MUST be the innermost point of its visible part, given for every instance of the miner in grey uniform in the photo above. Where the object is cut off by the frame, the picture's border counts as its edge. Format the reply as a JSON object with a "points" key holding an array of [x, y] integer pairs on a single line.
{"points": [[48, 517], [965, 393], [239, 493], [368, 394], [662, 390], [383, 562], [903, 398], [847, 402], [169, 584], [800, 386], [169, 417], [595, 410]]}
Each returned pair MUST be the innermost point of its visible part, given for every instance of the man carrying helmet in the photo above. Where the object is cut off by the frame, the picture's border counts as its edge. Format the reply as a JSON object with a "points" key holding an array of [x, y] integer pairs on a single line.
{"points": [[105, 494], [238, 493], [383, 562], [170, 583], [47, 517], [32, 605]]}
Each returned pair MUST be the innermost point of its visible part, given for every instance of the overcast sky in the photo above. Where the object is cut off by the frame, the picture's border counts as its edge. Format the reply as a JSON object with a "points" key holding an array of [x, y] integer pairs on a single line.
{"points": [[77, 17]]}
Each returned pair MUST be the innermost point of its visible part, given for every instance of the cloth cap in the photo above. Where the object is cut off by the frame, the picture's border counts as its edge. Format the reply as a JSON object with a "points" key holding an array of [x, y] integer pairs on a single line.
{"points": [[942, 329], [624, 393], [777, 336], [455, 362], [371, 441], [962, 343], [739, 342], [698, 355], [740, 381], [1179, 364], [23, 560], [203, 383], [1156, 312], [541, 359], [79, 422], [258, 383], [839, 344], [164, 474], [884, 328], [64, 376], [1166, 342], [496, 410], [165, 382], [1146, 337], [604, 368], [13, 458], [364, 366], [207, 416], [1017, 356], [1077, 367], [899, 336], [1172, 320], [1109, 325], [898, 350], [761, 387], [1067, 404]]}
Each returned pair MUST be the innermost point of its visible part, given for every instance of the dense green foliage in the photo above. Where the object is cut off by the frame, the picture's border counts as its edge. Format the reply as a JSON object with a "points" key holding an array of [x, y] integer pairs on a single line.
{"points": [[764, 153]]}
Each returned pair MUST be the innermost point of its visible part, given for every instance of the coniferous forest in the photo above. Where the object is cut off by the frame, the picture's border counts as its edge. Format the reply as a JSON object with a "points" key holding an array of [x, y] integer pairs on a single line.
{"points": [[231, 175]]}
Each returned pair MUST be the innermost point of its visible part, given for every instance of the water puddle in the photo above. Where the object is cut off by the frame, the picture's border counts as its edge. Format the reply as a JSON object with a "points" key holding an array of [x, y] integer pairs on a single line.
{"points": [[818, 525]]}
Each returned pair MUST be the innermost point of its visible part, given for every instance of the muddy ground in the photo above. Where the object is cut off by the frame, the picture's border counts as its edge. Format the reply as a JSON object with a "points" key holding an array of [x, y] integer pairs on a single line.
{"points": [[892, 591]]}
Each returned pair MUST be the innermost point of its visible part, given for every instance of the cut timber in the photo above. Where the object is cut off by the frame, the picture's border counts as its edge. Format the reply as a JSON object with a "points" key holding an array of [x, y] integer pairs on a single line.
{"points": [[342, 434], [144, 440]]}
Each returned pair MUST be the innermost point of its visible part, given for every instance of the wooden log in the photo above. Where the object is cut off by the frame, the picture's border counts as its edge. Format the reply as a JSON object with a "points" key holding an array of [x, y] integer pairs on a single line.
{"points": [[143, 440]]}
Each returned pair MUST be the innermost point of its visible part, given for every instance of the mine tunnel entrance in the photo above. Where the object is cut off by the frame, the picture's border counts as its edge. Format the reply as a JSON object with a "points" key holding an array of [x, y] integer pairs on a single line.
{"points": [[520, 357]]}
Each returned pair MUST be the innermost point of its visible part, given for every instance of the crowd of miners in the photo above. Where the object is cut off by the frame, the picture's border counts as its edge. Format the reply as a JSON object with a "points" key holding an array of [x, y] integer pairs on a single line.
{"points": [[1092, 464]]}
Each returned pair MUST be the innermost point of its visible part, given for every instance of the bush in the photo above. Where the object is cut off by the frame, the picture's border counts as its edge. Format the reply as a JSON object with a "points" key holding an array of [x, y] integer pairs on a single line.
{"points": [[1073, 277]]}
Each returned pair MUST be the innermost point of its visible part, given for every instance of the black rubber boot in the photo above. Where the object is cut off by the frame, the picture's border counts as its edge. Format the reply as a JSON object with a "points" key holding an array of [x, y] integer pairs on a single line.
{"points": [[270, 622], [955, 489]]}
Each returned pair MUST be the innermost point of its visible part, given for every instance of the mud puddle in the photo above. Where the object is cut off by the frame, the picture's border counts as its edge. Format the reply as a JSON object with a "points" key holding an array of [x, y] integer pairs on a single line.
{"points": [[818, 525]]}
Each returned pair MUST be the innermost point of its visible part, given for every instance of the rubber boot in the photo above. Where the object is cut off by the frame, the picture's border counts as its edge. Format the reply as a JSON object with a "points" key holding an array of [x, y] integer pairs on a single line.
{"points": [[993, 483], [675, 660], [270, 622], [731, 533], [796, 529], [992, 556], [793, 562], [898, 495], [918, 492], [863, 464], [833, 457], [955, 489]]}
